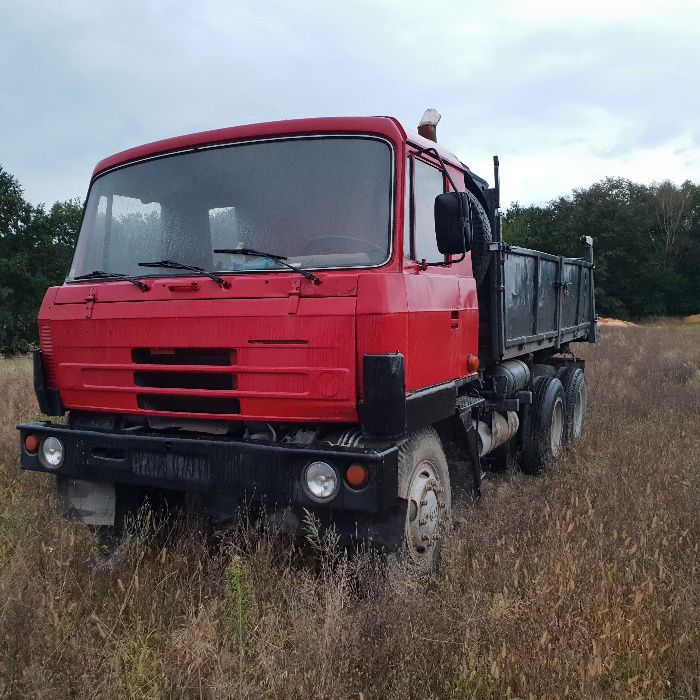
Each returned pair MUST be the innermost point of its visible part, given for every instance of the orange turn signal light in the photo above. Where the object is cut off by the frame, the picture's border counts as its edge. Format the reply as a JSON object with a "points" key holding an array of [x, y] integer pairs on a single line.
{"points": [[357, 475], [31, 444], [472, 363]]}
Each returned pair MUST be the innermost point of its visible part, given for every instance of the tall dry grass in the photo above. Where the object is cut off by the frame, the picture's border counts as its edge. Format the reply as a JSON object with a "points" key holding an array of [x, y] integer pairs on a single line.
{"points": [[581, 584]]}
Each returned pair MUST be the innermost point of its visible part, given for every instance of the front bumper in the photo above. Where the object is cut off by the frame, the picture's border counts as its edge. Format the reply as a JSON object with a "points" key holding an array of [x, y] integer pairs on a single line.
{"points": [[269, 473]]}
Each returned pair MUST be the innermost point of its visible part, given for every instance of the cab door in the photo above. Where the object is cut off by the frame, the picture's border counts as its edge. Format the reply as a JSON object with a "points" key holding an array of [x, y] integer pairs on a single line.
{"points": [[433, 292]]}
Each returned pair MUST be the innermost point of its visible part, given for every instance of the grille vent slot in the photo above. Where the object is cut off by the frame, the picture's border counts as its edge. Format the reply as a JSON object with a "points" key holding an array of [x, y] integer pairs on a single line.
{"points": [[216, 357], [185, 380], [188, 404]]}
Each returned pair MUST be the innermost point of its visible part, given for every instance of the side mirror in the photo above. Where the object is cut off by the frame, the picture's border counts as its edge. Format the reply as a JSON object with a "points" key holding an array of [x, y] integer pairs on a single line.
{"points": [[453, 229]]}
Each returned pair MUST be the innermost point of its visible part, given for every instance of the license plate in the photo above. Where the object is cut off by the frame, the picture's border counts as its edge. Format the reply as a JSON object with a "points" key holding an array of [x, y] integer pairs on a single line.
{"points": [[171, 467]]}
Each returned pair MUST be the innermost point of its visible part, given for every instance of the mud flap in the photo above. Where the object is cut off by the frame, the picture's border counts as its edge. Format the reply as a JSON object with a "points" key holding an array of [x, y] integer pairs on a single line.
{"points": [[474, 460], [90, 502], [466, 416]]}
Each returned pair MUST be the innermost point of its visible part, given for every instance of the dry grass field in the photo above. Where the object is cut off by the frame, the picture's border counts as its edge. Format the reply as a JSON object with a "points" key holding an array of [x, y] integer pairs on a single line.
{"points": [[583, 583]]}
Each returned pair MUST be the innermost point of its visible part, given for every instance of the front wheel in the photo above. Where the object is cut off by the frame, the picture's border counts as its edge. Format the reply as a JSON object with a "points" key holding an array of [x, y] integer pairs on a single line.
{"points": [[424, 482]]}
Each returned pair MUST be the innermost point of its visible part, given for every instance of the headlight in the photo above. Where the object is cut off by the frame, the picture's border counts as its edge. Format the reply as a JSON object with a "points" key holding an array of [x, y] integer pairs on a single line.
{"points": [[52, 453], [321, 481]]}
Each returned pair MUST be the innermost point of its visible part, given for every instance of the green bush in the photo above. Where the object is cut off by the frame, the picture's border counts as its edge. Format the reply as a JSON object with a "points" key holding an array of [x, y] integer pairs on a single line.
{"points": [[36, 247]]}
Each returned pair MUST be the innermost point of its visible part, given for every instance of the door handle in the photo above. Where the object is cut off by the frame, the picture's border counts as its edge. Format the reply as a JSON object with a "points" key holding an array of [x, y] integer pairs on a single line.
{"points": [[454, 319]]}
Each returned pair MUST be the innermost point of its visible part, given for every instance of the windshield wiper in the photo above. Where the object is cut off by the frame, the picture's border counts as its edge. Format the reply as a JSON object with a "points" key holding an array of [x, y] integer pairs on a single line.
{"points": [[116, 276], [280, 259], [174, 265]]}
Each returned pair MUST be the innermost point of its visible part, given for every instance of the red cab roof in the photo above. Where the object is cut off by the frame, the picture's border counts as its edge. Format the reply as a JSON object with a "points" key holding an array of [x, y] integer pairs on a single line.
{"points": [[383, 126]]}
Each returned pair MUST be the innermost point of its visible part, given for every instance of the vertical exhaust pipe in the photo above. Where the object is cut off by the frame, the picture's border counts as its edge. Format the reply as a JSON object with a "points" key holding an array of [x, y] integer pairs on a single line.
{"points": [[427, 127]]}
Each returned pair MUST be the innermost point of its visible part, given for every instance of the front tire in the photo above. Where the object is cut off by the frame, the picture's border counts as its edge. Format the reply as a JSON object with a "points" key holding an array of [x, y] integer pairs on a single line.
{"points": [[424, 482]]}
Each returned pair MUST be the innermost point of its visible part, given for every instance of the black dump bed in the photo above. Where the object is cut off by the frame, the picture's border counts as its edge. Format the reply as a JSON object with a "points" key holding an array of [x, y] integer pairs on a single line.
{"points": [[533, 301]]}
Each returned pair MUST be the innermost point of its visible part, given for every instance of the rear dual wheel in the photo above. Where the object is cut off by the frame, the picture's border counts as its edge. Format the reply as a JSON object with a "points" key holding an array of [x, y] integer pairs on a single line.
{"points": [[543, 439], [576, 398], [557, 416]]}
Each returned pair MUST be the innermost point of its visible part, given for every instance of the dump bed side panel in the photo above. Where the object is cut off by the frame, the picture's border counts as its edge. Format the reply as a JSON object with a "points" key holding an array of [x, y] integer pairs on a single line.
{"points": [[539, 301]]}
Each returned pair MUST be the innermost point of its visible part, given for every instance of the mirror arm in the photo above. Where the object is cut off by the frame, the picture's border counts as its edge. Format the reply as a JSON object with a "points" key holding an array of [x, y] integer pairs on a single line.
{"points": [[430, 149], [423, 264]]}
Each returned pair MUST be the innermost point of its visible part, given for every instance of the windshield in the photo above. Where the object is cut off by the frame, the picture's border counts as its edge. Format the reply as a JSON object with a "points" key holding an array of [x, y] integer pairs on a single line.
{"points": [[319, 202]]}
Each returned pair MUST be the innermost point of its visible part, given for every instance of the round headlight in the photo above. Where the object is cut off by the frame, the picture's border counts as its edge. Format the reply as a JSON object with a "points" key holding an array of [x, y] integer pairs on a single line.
{"points": [[321, 481], [52, 453]]}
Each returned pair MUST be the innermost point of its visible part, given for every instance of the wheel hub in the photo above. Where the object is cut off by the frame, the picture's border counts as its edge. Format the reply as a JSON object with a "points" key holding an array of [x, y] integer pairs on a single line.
{"points": [[425, 506], [557, 432], [579, 410]]}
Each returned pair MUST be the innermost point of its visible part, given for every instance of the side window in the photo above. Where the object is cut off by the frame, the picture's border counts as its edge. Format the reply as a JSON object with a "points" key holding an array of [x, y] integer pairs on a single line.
{"points": [[428, 183], [407, 213]]}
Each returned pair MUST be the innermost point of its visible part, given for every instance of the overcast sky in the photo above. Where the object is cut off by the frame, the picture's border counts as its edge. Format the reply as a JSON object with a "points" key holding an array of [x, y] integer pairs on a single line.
{"points": [[566, 92]]}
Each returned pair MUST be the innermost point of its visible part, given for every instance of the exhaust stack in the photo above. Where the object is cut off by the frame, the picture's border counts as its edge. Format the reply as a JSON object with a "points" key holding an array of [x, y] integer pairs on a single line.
{"points": [[427, 127]]}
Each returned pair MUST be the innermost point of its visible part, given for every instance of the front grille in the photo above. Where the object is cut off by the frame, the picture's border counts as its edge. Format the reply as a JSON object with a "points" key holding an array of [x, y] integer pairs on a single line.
{"points": [[188, 404], [217, 357], [185, 380]]}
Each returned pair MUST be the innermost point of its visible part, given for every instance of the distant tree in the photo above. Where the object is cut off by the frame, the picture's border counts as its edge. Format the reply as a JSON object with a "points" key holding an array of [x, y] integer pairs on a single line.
{"points": [[646, 242], [647, 247], [36, 247], [674, 216], [15, 213]]}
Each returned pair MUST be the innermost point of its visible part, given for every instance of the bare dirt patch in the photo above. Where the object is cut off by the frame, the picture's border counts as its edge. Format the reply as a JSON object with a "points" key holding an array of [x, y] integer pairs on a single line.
{"points": [[615, 323]]}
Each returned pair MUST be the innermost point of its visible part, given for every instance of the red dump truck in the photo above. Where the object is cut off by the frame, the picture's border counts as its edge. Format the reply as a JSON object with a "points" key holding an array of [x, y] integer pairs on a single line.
{"points": [[314, 314]]}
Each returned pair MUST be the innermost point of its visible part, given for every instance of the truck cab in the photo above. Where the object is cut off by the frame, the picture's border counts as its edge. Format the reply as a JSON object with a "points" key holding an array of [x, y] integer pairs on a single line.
{"points": [[278, 312]]}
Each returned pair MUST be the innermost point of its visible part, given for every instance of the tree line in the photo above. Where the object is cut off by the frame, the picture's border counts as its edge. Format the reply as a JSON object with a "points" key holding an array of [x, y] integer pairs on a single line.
{"points": [[646, 237], [36, 248], [646, 242]]}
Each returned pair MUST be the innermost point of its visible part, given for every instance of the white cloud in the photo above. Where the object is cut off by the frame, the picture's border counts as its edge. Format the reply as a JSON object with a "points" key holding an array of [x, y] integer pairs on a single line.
{"points": [[566, 92]]}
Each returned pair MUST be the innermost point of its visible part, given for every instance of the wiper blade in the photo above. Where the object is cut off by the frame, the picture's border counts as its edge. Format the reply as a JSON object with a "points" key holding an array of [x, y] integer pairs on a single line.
{"points": [[116, 276], [174, 265], [279, 259]]}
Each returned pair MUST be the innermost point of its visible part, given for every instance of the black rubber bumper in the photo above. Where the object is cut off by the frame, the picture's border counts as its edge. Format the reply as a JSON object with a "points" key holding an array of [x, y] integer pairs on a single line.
{"points": [[265, 472]]}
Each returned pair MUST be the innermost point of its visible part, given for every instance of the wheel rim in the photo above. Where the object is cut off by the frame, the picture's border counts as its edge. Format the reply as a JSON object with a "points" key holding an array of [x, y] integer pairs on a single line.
{"points": [[557, 432], [425, 509], [579, 410]]}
